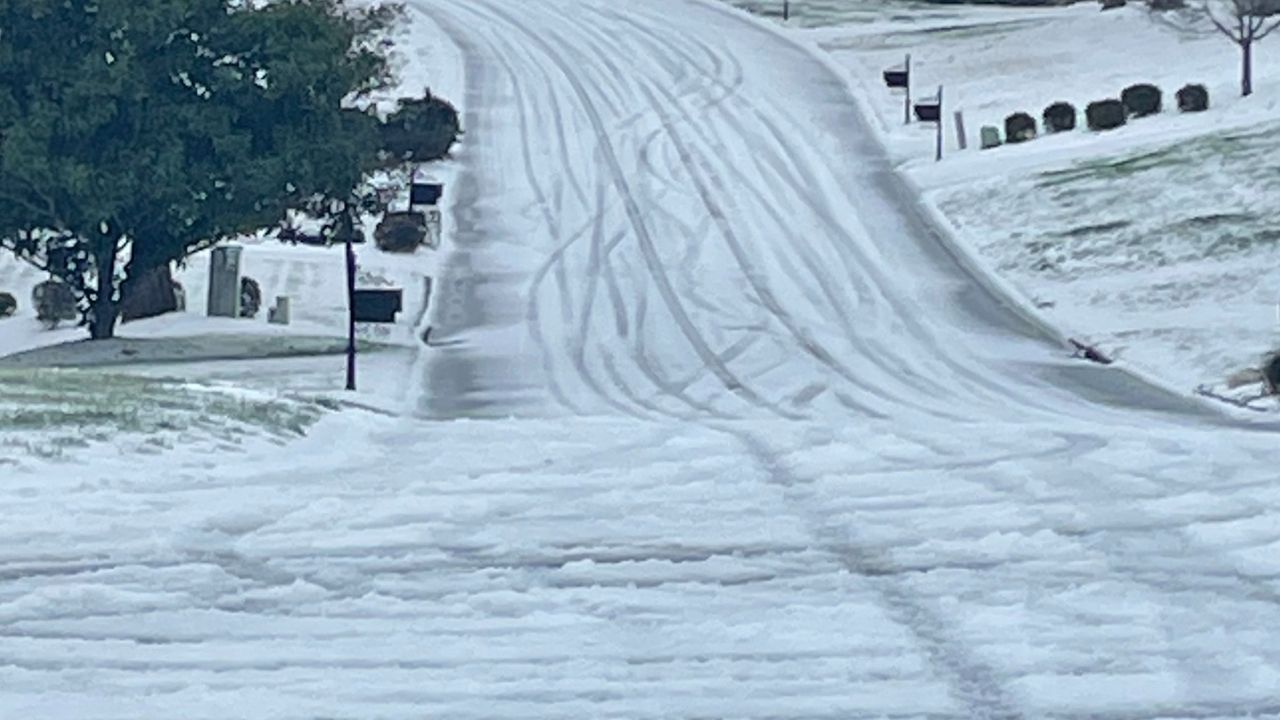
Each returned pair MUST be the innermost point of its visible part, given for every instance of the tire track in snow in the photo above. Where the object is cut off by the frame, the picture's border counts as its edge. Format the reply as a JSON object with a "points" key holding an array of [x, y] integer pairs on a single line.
{"points": [[890, 367], [555, 261], [972, 682], [802, 173], [636, 218]]}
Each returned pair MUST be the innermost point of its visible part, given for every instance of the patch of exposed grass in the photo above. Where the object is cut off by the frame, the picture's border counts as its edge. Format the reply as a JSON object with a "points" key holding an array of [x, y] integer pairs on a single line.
{"points": [[46, 412], [823, 13], [1112, 169], [1096, 229]]}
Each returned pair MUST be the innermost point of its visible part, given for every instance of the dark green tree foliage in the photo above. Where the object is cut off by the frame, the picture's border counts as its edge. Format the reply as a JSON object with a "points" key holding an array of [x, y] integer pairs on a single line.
{"points": [[1060, 117], [133, 134], [1019, 127], [421, 129], [1105, 114], [1193, 98], [1141, 100]]}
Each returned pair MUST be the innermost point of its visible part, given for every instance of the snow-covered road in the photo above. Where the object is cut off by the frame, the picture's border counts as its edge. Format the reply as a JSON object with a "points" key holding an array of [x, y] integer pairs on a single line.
{"points": [[777, 455], [675, 213]]}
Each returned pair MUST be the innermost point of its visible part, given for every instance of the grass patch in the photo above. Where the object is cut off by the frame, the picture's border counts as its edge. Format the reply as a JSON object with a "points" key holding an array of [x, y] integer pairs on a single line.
{"points": [[1248, 146], [1112, 169], [1097, 229], [47, 412]]}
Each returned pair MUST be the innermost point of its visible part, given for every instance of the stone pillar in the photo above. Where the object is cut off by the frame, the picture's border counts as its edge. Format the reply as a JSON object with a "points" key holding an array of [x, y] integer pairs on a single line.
{"points": [[279, 315], [224, 282]]}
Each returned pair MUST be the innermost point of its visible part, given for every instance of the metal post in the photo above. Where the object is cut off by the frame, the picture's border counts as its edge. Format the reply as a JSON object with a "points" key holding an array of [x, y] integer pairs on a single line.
{"points": [[351, 304], [908, 102], [960, 136], [940, 116]]}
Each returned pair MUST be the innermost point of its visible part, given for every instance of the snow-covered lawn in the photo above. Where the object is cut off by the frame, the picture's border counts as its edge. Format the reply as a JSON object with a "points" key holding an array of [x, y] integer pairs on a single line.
{"points": [[1154, 240]]}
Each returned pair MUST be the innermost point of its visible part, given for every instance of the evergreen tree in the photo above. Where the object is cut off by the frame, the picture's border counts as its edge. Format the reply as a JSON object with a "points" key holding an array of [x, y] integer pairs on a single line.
{"points": [[133, 134]]}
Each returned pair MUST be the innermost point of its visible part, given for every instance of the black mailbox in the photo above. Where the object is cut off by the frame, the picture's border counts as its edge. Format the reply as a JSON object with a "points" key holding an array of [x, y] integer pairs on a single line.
{"points": [[929, 111], [425, 193], [896, 77], [377, 306]]}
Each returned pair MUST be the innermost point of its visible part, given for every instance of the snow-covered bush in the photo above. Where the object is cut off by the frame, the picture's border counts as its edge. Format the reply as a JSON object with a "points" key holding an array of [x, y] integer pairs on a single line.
{"points": [[421, 129], [8, 305], [55, 302], [1193, 98], [250, 297], [1142, 99], [1060, 117], [401, 232], [1019, 127], [1105, 114]]}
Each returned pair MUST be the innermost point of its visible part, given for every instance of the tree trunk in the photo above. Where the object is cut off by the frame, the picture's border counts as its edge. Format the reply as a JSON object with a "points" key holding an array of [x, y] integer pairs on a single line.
{"points": [[104, 311], [1246, 76], [147, 293]]}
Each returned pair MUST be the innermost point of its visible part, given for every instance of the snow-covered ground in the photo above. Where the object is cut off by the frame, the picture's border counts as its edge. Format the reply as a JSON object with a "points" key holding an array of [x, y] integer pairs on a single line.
{"points": [[1154, 240], [763, 446], [607, 567]]}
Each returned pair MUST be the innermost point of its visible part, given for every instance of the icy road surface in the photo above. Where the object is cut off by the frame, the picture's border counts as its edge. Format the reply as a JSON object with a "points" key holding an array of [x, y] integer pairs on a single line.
{"points": [[777, 455]]}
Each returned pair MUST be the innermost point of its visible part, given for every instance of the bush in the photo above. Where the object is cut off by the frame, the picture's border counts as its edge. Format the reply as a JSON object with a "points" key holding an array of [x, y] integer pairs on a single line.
{"points": [[8, 305], [250, 297], [54, 302], [421, 129], [1105, 114], [1019, 127], [1060, 117], [1271, 373], [1164, 5], [1193, 98], [1112, 4], [401, 232], [1140, 100]]}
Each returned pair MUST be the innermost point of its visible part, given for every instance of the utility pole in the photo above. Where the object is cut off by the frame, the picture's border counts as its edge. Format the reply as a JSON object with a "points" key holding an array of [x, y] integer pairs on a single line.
{"points": [[786, 9]]}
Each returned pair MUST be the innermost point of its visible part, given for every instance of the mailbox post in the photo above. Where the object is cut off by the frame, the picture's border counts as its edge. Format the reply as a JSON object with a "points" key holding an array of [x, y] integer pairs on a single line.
{"points": [[348, 231], [427, 195], [930, 110], [895, 78]]}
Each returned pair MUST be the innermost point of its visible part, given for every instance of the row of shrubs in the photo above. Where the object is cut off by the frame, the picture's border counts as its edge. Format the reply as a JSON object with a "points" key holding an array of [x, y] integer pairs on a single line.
{"points": [[1136, 101]]}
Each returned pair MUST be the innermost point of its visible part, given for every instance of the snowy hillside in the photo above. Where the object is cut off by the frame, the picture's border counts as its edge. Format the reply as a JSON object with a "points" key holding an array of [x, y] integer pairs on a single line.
{"points": [[1153, 240]]}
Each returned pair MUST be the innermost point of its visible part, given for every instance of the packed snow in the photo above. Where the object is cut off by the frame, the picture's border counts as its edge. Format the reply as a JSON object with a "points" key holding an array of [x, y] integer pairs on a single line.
{"points": [[752, 435]]}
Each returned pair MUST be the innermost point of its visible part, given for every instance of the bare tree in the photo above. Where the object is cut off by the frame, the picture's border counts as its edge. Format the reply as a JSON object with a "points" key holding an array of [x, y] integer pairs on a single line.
{"points": [[1244, 22]]}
